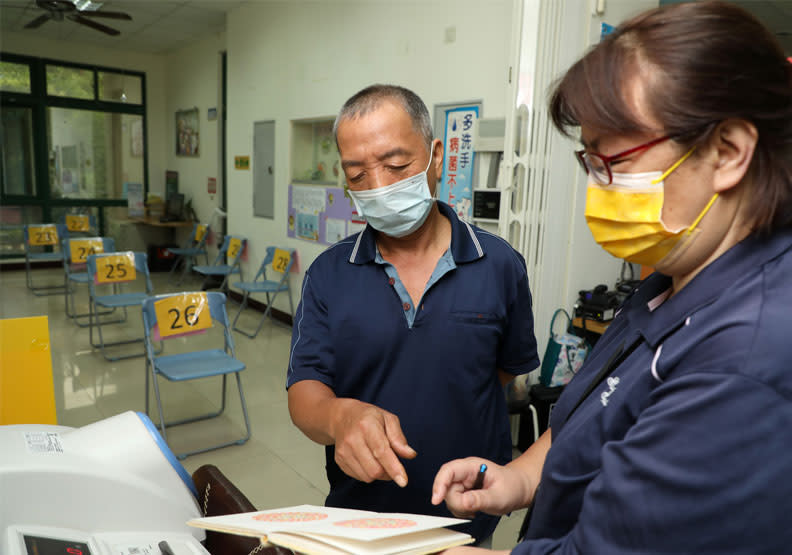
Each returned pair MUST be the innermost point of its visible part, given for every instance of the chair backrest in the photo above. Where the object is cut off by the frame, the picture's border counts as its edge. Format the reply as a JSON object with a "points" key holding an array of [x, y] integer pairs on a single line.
{"points": [[40, 236], [79, 223], [233, 246], [218, 496], [113, 271], [77, 249], [198, 236], [182, 311], [278, 260]]}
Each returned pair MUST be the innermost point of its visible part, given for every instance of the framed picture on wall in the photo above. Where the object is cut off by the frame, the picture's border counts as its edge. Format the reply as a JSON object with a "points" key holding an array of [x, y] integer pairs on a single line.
{"points": [[187, 132]]}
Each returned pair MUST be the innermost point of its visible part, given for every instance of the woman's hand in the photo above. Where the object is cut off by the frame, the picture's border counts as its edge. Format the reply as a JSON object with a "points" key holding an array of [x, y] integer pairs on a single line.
{"points": [[504, 488]]}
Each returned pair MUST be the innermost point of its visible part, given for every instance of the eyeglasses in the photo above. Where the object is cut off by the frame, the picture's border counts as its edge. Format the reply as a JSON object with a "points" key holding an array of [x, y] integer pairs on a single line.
{"points": [[599, 165]]}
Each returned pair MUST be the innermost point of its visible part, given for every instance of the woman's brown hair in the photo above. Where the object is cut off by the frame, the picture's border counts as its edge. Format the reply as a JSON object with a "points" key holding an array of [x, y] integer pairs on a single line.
{"points": [[703, 63]]}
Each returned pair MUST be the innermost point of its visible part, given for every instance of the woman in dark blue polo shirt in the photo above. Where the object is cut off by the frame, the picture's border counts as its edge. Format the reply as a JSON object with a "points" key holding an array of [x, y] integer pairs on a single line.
{"points": [[675, 435]]}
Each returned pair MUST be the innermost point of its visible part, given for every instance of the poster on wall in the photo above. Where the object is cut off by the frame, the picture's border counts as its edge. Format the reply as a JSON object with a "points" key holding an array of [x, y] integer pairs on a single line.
{"points": [[456, 186], [321, 214], [187, 137], [134, 195]]}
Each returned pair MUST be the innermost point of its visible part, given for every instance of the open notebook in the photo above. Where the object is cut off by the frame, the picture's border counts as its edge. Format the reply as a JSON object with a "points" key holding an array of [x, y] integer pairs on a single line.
{"points": [[327, 530]]}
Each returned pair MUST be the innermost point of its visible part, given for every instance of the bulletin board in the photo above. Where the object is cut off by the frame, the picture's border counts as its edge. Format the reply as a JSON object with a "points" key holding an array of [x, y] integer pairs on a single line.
{"points": [[321, 214]]}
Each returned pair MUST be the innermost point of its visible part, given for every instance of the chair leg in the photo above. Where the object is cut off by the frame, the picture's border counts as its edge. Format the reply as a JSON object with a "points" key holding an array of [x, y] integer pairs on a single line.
{"points": [[42, 290], [244, 410], [245, 438], [187, 264], [223, 400], [172, 270], [267, 313], [159, 404], [71, 310], [102, 345], [148, 369], [242, 307]]}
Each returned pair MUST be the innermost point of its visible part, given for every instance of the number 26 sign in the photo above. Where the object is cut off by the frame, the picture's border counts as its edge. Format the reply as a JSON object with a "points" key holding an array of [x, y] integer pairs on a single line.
{"points": [[182, 314]]}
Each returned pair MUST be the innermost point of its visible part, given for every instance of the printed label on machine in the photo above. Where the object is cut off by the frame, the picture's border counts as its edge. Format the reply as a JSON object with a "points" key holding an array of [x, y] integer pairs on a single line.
{"points": [[135, 549], [43, 442]]}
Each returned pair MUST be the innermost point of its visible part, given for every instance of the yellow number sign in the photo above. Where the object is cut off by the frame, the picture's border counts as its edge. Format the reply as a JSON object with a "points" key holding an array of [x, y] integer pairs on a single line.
{"points": [[280, 260], [42, 235], [116, 268], [234, 245], [200, 231], [183, 314], [78, 222], [81, 248]]}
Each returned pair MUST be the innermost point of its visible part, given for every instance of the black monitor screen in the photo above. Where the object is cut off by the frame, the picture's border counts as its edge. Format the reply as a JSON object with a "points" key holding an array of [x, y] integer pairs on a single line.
{"points": [[175, 205], [52, 546]]}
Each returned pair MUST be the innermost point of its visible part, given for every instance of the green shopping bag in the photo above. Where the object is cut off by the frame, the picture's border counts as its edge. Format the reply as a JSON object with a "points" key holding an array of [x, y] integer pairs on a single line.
{"points": [[564, 354]]}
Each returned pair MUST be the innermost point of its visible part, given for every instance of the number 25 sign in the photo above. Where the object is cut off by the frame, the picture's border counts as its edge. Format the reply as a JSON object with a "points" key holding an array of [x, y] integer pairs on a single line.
{"points": [[116, 268], [182, 314]]}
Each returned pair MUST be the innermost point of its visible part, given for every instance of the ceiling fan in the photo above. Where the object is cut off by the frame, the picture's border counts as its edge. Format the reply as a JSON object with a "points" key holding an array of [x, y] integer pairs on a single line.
{"points": [[79, 11]]}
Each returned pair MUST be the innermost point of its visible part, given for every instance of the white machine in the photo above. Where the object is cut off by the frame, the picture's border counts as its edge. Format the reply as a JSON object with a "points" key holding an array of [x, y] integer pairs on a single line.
{"points": [[109, 488]]}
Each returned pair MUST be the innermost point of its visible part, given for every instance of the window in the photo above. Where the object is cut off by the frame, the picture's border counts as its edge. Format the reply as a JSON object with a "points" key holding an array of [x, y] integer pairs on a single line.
{"points": [[92, 153], [119, 87], [70, 82], [16, 157], [14, 77], [72, 138]]}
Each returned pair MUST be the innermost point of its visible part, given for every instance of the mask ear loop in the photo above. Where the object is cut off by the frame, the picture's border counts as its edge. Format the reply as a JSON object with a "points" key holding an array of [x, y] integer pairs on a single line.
{"points": [[703, 212], [672, 168]]}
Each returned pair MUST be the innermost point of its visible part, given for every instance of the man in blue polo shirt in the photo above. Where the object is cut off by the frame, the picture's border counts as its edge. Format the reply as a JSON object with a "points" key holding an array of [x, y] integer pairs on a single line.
{"points": [[407, 330]]}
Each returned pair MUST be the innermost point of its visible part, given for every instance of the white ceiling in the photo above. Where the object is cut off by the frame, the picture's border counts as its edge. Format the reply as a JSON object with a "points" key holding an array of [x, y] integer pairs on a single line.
{"points": [[160, 26], [157, 26]]}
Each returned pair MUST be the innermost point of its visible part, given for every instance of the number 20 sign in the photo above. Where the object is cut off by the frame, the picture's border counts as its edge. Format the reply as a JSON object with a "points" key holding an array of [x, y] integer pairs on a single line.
{"points": [[183, 314]]}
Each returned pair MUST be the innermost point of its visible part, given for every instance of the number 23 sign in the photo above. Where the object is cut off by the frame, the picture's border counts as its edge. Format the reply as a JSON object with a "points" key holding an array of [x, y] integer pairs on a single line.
{"points": [[182, 314]]}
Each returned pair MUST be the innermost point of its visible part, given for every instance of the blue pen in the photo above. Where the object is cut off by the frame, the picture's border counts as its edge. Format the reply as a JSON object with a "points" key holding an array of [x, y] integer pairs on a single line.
{"points": [[480, 477]]}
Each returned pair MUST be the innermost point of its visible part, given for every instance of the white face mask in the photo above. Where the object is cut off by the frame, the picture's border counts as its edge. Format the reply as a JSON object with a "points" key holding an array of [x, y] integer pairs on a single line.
{"points": [[397, 209]]}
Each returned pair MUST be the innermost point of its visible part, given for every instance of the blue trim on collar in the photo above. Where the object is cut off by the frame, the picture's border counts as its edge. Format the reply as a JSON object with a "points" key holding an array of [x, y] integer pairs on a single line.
{"points": [[465, 245]]}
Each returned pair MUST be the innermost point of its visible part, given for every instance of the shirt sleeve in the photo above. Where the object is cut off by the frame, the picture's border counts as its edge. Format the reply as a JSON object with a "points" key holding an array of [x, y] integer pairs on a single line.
{"points": [[705, 469], [518, 349], [311, 356]]}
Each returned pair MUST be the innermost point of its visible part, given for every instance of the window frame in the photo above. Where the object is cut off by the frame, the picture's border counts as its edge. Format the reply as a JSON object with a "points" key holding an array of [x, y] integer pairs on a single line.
{"points": [[39, 101]]}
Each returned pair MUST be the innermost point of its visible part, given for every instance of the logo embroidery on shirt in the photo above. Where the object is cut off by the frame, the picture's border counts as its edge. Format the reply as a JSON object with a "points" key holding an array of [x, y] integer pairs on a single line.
{"points": [[612, 383]]}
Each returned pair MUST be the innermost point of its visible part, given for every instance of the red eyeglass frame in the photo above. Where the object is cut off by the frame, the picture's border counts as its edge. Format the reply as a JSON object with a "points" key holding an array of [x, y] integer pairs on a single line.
{"points": [[606, 160]]}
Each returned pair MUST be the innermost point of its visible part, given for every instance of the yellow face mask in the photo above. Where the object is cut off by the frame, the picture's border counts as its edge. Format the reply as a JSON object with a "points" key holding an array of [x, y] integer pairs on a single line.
{"points": [[625, 218]]}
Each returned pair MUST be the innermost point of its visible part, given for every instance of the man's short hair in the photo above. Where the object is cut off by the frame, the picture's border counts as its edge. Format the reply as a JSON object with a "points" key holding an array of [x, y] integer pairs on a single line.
{"points": [[373, 96]]}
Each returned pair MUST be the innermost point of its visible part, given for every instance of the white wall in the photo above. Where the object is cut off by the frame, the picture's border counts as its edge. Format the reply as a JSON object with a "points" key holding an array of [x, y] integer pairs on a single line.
{"points": [[193, 80], [587, 263], [289, 60], [153, 66]]}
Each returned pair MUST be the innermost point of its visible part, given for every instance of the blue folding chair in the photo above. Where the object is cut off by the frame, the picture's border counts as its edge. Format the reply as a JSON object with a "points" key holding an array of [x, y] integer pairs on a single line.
{"points": [[233, 247], [75, 255], [43, 244], [176, 316], [79, 225], [114, 294], [280, 262], [186, 255]]}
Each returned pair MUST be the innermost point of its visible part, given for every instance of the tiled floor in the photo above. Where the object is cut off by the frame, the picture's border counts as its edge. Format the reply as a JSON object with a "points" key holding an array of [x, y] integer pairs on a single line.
{"points": [[278, 467]]}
